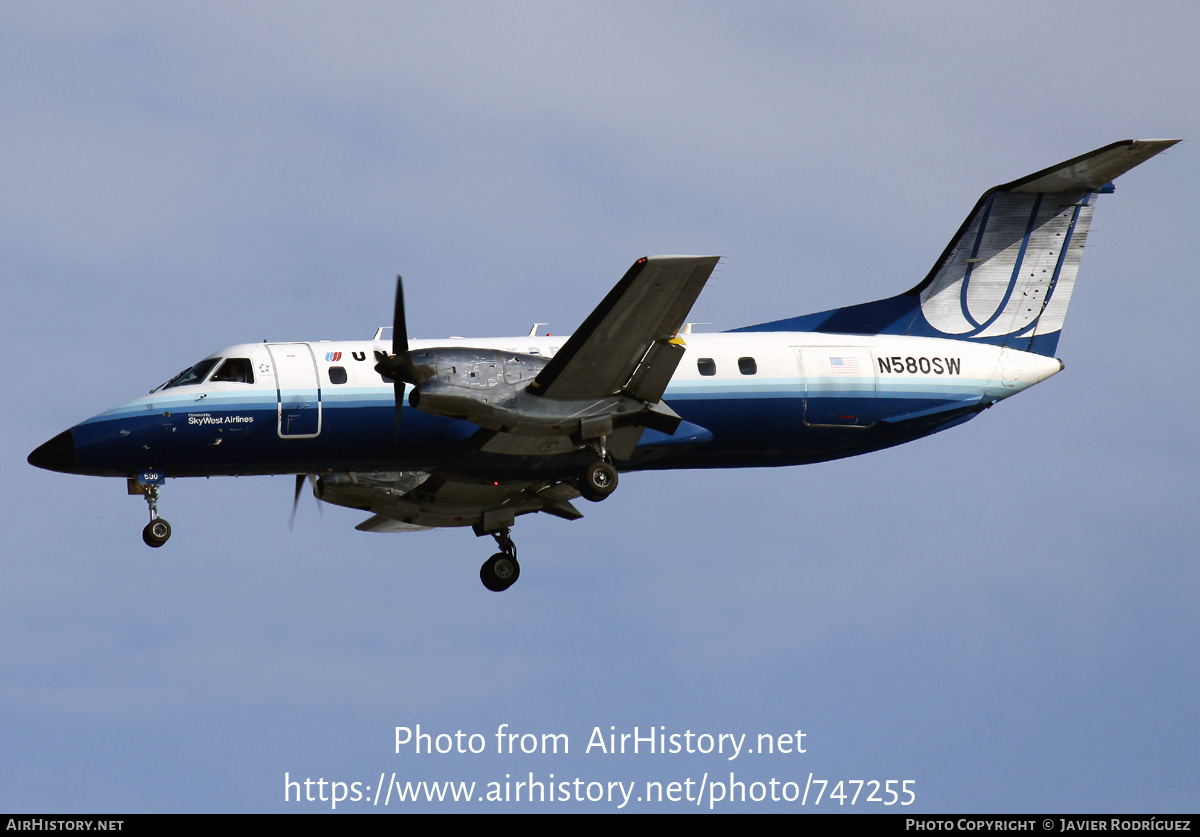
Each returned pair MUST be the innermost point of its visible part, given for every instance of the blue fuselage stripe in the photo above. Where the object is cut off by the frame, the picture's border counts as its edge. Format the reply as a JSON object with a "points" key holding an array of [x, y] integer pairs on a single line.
{"points": [[752, 423]]}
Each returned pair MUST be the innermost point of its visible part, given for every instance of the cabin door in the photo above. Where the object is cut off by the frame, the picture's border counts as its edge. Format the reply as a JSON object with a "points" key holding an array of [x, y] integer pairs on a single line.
{"points": [[297, 390], [839, 386]]}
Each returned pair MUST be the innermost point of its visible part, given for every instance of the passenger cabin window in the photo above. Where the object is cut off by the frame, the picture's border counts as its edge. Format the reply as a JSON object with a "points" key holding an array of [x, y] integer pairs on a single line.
{"points": [[747, 366], [193, 374], [337, 374], [235, 369], [706, 366]]}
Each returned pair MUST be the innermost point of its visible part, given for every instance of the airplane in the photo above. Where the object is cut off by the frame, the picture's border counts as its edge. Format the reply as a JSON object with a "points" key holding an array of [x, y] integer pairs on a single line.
{"points": [[424, 434]]}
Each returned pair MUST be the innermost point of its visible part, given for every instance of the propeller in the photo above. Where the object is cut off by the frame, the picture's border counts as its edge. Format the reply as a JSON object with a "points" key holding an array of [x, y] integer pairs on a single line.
{"points": [[398, 366], [300, 478]]}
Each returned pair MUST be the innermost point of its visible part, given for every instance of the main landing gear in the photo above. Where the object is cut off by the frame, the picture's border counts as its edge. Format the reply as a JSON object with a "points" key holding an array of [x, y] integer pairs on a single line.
{"points": [[157, 531], [501, 571], [598, 480]]}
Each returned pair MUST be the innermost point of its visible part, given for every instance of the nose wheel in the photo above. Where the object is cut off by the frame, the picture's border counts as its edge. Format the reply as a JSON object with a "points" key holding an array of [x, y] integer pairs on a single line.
{"points": [[501, 571], [156, 533]]}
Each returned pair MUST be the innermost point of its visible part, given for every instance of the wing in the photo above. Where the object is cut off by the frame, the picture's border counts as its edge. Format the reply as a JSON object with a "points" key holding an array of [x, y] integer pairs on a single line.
{"points": [[412, 501], [625, 344], [383, 523]]}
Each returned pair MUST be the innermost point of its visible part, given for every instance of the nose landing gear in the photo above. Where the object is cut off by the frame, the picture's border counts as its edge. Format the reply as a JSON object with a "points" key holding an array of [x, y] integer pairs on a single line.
{"points": [[501, 571], [157, 531]]}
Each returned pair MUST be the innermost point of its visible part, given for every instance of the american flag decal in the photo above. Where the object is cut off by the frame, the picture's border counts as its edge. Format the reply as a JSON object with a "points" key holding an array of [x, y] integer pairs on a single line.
{"points": [[844, 365], [330, 357]]}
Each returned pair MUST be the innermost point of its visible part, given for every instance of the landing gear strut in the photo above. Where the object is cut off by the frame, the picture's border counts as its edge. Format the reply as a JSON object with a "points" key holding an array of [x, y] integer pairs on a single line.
{"points": [[157, 531], [501, 571]]}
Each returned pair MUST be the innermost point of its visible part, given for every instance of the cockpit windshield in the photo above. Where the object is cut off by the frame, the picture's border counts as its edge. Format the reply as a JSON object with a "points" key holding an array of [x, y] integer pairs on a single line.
{"points": [[235, 369], [192, 375]]}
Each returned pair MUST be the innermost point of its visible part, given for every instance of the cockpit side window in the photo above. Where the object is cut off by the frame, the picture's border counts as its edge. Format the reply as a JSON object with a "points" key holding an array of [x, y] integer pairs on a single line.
{"points": [[193, 374], [235, 369]]}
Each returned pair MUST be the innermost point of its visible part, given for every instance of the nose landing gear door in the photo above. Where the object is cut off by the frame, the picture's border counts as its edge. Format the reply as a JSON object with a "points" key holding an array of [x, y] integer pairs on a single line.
{"points": [[297, 390]]}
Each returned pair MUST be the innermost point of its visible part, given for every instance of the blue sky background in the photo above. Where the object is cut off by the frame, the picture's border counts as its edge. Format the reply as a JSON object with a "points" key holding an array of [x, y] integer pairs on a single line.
{"points": [[1005, 613]]}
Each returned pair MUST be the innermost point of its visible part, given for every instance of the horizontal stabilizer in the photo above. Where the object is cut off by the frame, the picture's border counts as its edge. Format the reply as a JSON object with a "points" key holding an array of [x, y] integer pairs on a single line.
{"points": [[1091, 171]]}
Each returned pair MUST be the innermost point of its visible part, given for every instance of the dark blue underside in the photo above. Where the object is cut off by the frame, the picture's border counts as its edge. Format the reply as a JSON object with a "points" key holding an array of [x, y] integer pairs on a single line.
{"points": [[745, 433]]}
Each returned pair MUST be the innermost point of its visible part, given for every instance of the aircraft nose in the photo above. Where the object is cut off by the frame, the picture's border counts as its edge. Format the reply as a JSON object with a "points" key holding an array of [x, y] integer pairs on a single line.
{"points": [[56, 455]]}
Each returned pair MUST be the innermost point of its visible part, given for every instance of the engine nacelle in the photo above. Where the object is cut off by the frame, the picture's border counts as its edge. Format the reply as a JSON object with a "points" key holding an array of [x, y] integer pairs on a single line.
{"points": [[479, 385], [488, 387]]}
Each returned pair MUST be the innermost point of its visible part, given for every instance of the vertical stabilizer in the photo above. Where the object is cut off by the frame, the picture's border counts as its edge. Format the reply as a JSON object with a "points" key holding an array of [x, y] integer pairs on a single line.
{"points": [[1007, 276]]}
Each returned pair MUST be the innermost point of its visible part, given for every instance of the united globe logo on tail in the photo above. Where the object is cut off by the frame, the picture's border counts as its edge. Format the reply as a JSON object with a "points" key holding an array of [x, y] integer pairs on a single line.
{"points": [[1013, 271]]}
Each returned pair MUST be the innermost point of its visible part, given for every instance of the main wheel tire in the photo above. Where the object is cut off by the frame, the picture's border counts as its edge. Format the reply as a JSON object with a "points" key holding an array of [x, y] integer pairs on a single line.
{"points": [[156, 533], [499, 572], [598, 481]]}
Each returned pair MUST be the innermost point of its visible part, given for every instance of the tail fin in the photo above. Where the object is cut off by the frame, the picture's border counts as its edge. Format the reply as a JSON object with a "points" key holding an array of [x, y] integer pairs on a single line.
{"points": [[1007, 275]]}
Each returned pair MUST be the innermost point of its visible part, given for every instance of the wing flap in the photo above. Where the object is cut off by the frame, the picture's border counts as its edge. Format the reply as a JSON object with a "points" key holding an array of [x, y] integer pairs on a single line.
{"points": [[649, 381]]}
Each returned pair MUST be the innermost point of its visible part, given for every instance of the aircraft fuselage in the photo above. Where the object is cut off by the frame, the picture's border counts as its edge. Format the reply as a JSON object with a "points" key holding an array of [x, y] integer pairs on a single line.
{"points": [[765, 399]]}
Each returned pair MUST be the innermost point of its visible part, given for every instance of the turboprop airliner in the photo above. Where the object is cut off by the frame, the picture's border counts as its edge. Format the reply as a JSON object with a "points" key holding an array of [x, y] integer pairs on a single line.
{"points": [[429, 433]]}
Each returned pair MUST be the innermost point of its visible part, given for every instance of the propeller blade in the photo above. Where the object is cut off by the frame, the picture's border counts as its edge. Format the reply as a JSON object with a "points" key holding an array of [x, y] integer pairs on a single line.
{"points": [[399, 364], [399, 324], [398, 367], [320, 503], [296, 499], [300, 478]]}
